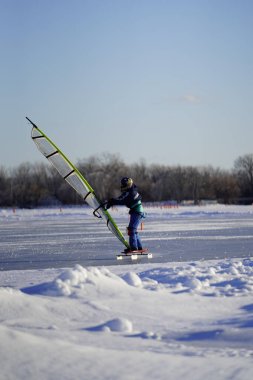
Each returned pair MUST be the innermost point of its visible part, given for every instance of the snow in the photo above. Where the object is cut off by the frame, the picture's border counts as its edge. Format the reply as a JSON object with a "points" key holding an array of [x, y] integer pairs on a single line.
{"points": [[186, 319]]}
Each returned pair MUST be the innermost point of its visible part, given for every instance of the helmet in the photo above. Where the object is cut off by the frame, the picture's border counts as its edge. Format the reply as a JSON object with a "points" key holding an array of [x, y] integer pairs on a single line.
{"points": [[126, 183]]}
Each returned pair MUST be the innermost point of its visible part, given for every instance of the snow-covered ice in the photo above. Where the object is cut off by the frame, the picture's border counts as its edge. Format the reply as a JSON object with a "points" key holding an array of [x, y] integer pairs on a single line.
{"points": [[156, 319], [46, 238]]}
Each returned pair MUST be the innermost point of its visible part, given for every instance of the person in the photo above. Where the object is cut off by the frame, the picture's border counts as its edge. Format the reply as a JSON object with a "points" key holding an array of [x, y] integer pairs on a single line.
{"points": [[131, 199]]}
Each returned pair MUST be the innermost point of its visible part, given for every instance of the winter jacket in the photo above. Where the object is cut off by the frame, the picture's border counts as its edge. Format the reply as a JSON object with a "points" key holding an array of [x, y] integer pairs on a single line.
{"points": [[129, 198]]}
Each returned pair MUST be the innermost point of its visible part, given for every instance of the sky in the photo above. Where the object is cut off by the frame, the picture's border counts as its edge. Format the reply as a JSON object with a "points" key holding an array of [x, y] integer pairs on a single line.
{"points": [[165, 82]]}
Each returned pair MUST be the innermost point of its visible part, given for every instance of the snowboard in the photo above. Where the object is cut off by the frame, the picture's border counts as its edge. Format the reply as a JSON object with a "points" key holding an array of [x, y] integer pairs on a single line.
{"points": [[134, 255]]}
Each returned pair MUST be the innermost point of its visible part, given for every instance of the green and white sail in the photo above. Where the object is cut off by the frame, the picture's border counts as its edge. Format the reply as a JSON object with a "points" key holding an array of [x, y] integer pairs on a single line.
{"points": [[75, 179]]}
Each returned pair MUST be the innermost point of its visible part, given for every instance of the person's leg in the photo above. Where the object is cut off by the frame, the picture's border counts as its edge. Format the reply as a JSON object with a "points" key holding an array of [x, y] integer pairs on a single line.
{"points": [[134, 238]]}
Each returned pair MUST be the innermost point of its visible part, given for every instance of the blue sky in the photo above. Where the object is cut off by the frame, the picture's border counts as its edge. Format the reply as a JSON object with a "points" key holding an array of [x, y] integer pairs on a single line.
{"points": [[168, 82]]}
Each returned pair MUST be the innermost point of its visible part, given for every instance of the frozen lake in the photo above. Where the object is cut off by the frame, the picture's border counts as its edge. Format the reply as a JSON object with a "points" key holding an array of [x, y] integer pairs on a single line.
{"points": [[185, 314], [52, 238]]}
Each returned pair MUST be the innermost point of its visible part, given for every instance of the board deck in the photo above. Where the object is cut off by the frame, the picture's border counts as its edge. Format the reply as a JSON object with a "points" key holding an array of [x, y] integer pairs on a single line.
{"points": [[134, 255]]}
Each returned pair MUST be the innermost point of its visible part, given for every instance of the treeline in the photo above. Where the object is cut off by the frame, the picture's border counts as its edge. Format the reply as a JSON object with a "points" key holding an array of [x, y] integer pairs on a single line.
{"points": [[40, 184]]}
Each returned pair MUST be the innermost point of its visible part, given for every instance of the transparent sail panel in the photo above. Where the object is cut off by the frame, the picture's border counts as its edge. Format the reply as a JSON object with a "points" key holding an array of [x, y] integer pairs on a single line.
{"points": [[60, 164], [44, 146], [92, 201], [76, 182]]}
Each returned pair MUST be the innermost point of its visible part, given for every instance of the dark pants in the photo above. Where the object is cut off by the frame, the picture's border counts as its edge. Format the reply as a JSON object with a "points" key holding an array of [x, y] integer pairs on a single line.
{"points": [[134, 238]]}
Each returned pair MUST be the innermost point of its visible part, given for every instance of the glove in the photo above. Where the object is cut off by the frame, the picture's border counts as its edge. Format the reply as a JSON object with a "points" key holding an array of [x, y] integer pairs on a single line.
{"points": [[108, 204]]}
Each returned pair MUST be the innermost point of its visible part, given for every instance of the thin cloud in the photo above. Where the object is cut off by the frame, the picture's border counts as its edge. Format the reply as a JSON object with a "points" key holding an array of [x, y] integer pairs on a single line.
{"points": [[190, 99]]}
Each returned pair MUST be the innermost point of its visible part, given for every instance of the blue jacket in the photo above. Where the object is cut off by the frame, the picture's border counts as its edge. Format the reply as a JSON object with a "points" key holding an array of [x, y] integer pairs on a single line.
{"points": [[129, 198]]}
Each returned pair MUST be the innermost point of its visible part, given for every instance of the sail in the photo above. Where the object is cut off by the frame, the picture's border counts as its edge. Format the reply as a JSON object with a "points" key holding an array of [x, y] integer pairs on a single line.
{"points": [[75, 179]]}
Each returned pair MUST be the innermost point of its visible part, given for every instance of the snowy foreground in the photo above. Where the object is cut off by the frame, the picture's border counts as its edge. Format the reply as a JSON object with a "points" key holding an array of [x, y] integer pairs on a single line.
{"points": [[178, 320]]}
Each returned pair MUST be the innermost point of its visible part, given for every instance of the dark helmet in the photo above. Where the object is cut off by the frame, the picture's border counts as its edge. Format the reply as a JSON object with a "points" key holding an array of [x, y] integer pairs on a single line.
{"points": [[126, 183]]}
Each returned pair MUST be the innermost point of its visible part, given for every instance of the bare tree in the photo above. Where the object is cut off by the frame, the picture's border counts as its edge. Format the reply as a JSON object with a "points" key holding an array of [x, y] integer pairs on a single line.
{"points": [[225, 186], [243, 168], [158, 187], [5, 188]]}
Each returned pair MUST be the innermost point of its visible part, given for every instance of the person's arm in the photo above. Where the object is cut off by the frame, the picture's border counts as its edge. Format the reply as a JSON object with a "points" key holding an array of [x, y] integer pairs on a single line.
{"points": [[121, 200]]}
